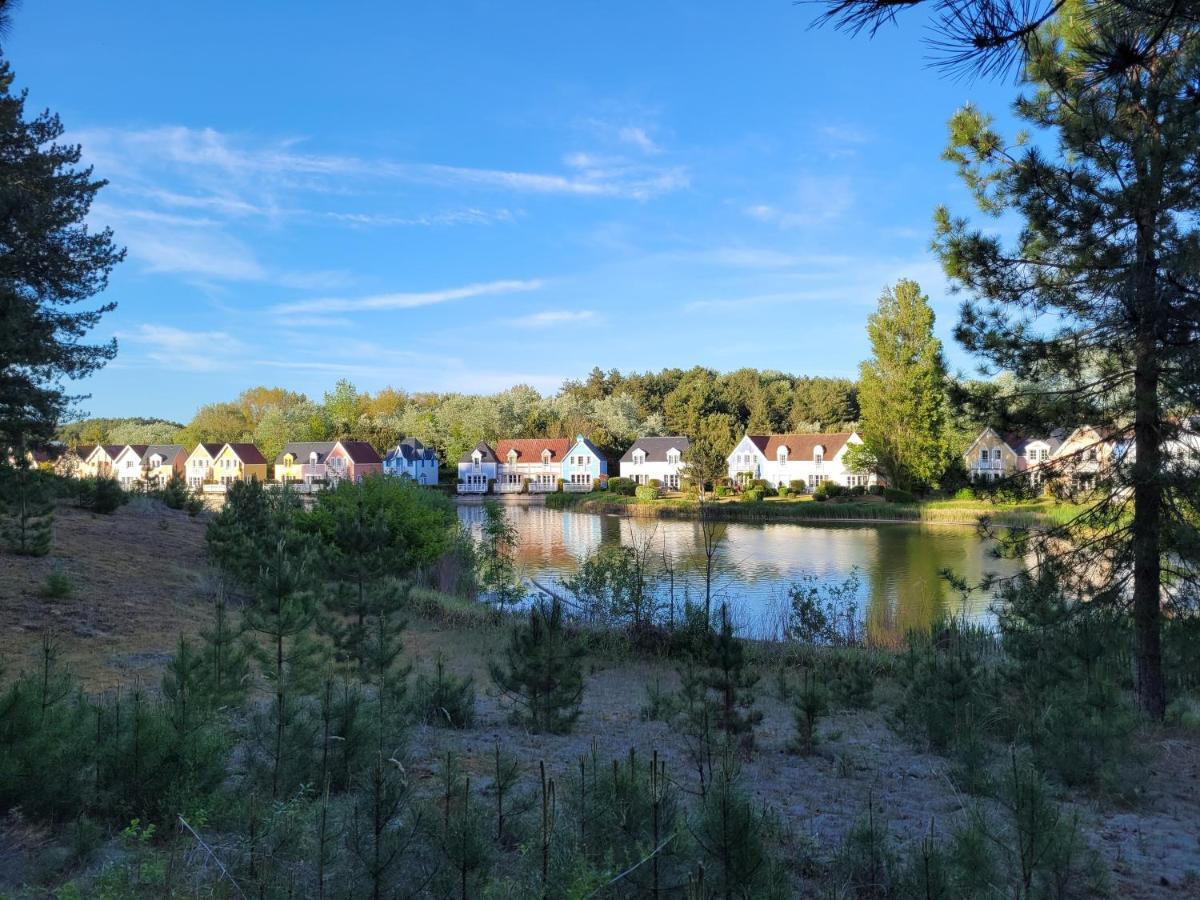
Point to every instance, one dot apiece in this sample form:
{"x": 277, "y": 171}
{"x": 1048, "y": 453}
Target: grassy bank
{"x": 1031, "y": 514}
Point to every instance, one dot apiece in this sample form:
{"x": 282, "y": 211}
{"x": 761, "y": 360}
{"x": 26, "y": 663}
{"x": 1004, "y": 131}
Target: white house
{"x": 411, "y": 459}
{"x": 476, "y": 468}
{"x": 780, "y": 459}
{"x": 127, "y": 465}
{"x": 658, "y": 458}
{"x": 536, "y": 461}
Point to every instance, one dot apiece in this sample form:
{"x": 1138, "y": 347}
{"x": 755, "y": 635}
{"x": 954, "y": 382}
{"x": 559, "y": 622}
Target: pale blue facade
{"x": 583, "y": 466}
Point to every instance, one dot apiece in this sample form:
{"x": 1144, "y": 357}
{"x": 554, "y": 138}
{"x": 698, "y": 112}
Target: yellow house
{"x": 161, "y": 461}
{"x": 199, "y": 466}
{"x": 100, "y": 461}
{"x": 990, "y": 457}
{"x": 239, "y": 462}
{"x": 302, "y": 462}
{"x": 1086, "y": 456}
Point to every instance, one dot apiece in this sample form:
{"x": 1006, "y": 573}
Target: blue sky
{"x": 464, "y": 196}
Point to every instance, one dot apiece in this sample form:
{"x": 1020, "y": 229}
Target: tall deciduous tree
{"x": 49, "y": 262}
{"x": 902, "y": 389}
{"x": 1100, "y": 295}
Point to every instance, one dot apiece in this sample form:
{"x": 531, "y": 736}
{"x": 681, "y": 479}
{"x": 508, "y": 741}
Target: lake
{"x": 898, "y": 565}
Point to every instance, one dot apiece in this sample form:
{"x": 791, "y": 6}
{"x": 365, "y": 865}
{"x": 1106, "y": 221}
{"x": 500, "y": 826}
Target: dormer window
{"x": 673, "y": 457}
{"x": 545, "y": 457}
{"x": 639, "y": 457}
{"x": 819, "y": 455}
{"x": 782, "y": 456}
{"x": 512, "y": 457}
{"x": 312, "y": 458}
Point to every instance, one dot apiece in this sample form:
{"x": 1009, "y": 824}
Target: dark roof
{"x": 410, "y": 449}
{"x": 139, "y": 449}
{"x": 166, "y": 451}
{"x": 656, "y": 447}
{"x": 360, "y": 451}
{"x": 248, "y": 454}
{"x": 210, "y": 448}
{"x": 83, "y": 451}
{"x": 800, "y": 446}
{"x": 486, "y": 453}
{"x": 301, "y": 450}
{"x": 530, "y": 449}
{"x": 1019, "y": 442}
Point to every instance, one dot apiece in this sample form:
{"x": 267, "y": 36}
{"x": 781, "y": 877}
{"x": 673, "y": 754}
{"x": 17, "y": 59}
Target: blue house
{"x": 583, "y": 466}
{"x": 411, "y": 459}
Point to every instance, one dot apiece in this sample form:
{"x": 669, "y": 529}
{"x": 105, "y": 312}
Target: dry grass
{"x": 139, "y": 579}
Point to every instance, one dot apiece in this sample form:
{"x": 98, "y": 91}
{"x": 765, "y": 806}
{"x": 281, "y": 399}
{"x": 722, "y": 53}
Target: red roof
{"x": 360, "y": 452}
{"x": 530, "y": 449}
{"x": 248, "y": 454}
{"x": 800, "y": 446}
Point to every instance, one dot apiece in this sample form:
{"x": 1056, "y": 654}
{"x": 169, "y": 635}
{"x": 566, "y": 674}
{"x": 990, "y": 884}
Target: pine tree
{"x": 729, "y": 677}
{"x": 27, "y": 507}
{"x": 383, "y": 835}
{"x": 51, "y": 261}
{"x": 902, "y": 390}
{"x": 225, "y": 672}
{"x": 240, "y": 536}
{"x": 282, "y": 617}
{"x": 495, "y": 557}
{"x": 1096, "y": 306}
{"x": 543, "y": 674}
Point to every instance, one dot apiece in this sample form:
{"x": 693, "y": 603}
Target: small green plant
{"x": 56, "y": 586}
{"x": 443, "y": 699}
{"x": 646, "y": 492}
{"x": 660, "y": 705}
{"x": 810, "y": 703}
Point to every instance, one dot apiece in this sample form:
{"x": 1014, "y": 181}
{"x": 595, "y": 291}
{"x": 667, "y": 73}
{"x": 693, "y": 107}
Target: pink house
{"x": 352, "y": 460}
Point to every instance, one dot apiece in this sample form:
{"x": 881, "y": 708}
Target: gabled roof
{"x": 83, "y": 451}
{"x": 800, "y": 446}
{"x": 247, "y": 453}
{"x": 410, "y": 449}
{"x": 166, "y": 451}
{"x": 580, "y": 439}
{"x": 139, "y": 450}
{"x": 360, "y": 452}
{"x": 656, "y": 448}
{"x": 1020, "y": 442}
{"x": 210, "y": 448}
{"x": 111, "y": 450}
{"x": 530, "y": 449}
{"x": 486, "y": 453}
{"x": 301, "y": 450}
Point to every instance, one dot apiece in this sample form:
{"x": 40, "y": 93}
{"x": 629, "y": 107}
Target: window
{"x": 983, "y": 455}
{"x": 996, "y": 453}
{"x": 782, "y": 456}
{"x": 673, "y": 458}
{"x": 639, "y": 457}
{"x": 818, "y": 456}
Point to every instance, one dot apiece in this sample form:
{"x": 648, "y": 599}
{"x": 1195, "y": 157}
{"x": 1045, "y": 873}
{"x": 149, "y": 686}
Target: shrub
{"x": 783, "y": 491}
{"x": 820, "y": 498}
{"x": 763, "y": 486}
{"x": 964, "y": 493}
{"x": 859, "y": 490}
{"x": 56, "y": 586}
{"x": 895, "y": 495}
{"x": 829, "y": 490}
{"x": 752, "y": 495}
{"x": 175, "y": 492}
{"x": 100, "y": 495}
{"x": 623, "y": 486}
{"x": 646, "y": 492}
{"x": 797, "y": 486}
{"x": 721, "y": 491}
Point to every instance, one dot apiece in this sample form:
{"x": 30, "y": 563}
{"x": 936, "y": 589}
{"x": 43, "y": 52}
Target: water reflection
{"x": 899, "y": 565}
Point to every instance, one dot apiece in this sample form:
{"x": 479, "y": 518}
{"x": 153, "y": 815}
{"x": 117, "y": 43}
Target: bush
{"x": 752, "y": 495}
{"x": 623, "y": 486}
{"x": 964, "y": 493}
{"x": 763, "y": 486}
{"x": 175, "y": 492}
{"x": 829, "y": 490}
{"x": 797, "y": 486}
{"x": 646, "y": 492}
{"x": 721, "y": 491}
{"x": 56, "y": 586}
{"x": 100, "y": 495}
{"x": 820, "y": 498}
{"x": 895, "y": 495}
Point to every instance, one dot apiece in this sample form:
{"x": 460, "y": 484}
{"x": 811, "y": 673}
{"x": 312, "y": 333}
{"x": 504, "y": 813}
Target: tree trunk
{"x": 1147, "y": 534}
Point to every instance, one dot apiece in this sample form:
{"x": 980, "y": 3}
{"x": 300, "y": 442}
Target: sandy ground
{"x": 140, "y": 578}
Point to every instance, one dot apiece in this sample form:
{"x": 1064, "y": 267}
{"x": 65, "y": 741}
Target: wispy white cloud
{"x": 815, "y": 202}
{"x": 407, "y": 300}
{"x": 638, "y": 137}
{"x": 551, "y": 317}
{"x": 179, "y": 349}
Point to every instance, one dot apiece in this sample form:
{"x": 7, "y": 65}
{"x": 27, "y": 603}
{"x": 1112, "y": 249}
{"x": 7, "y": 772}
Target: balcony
{"x": 508, "y": 487}
{"x": 472, "y": 488}
{"x": 577, "y": 487}
{"x": 543, "y": 487}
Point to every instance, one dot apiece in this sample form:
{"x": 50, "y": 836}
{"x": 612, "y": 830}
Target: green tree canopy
{"x": 902, "y": 389}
